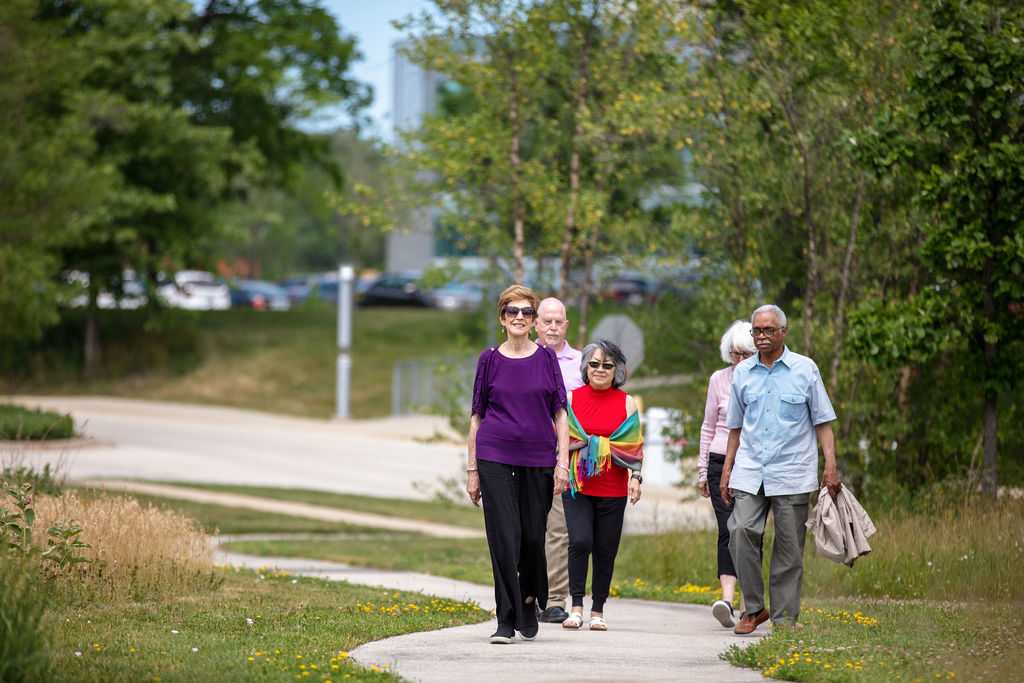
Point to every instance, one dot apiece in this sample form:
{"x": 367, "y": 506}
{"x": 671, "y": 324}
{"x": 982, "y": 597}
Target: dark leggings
{"x": 722, "y": 513}
{"x": 595, "y": 527}
{"x": 516, "y": 501}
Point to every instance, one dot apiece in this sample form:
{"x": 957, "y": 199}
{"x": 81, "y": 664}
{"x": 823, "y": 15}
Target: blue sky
{"x": 369, "y": 21}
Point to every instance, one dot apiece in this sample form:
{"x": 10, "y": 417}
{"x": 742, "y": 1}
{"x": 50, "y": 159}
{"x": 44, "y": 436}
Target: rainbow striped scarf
{"x": 591, "y": 455}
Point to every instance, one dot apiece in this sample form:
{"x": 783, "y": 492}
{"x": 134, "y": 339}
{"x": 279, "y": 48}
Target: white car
{"x": 195, "y": 290}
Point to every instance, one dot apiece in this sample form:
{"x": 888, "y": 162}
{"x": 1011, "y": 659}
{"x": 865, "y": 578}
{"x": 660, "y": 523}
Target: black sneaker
{"x": 528, "y": 631}
{"x": 505, "y": 635}
{"x": 554, "y": 615}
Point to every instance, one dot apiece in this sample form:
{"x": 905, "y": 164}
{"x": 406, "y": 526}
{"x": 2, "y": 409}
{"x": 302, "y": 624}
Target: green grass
{"x": 887, "y": 640}
{"x": 465, "y": 559}
{"x": 300, "y": 627}
{"x": 455, "y": 515}
{"x": 938, "y": 598}
{"x": 24, "y": 638}
{"x": 226, "y": 519}
{"x": 281, "y": 362}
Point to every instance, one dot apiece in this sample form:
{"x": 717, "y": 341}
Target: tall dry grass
{"x": 139, "y": 552}
{"x": 972, "y": 552}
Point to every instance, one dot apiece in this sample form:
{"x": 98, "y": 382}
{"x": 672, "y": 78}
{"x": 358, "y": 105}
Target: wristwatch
{"x": 639, "y": 477}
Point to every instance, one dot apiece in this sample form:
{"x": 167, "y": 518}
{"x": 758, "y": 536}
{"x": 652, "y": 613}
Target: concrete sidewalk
{"x": 645, "y": 641}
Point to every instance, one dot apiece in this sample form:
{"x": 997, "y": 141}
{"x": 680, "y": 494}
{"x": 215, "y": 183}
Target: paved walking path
{"x": 645, "y": 641}
{"x": 160, "y": 442}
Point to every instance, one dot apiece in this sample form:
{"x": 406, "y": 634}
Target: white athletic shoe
{"x": 723, "y": 612}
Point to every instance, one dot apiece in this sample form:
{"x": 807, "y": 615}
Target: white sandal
{"x": 598, "y": 624}
{"x": 574, "y": 621}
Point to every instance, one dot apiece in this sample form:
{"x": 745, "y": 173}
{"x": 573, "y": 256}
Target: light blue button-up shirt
{"x": 777, "y": 410}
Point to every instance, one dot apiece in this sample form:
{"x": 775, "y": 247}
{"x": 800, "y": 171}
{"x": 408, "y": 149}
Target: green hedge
{"x": 17, "y": 422}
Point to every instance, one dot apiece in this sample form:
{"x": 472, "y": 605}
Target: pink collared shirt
{"x": 569, "y": 360}
{"x": 714, "y": 435}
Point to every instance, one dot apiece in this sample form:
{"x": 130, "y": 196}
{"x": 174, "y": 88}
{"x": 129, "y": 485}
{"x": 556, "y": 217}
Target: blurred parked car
{"x": 456, "y": 296}
{"x": 630, "y": 288}
{"x": 195, "y": 290}
{"x": 259, "y": 295}
{"x": 394, "y": 289}
{"x": 125, "y": 292}
{"x": 297, "y": 287}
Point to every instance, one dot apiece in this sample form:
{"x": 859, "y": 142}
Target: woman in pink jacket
{"x": 737, "y": 344}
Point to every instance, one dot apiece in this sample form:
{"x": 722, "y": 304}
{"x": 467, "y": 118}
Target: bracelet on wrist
{"x": 471, "y": 469}
{"x": 563, "y": 467}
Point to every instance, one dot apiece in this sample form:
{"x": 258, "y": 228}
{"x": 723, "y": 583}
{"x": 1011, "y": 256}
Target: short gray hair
{"x": 737, "y": 337}
{"x": 770, "y": 308}
{"x": 611, "y": 352}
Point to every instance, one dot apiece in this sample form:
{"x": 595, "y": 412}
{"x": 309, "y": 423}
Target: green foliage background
{"x": 857, "y": 163}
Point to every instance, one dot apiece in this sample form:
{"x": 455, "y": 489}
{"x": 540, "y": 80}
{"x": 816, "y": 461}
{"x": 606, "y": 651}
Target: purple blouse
{"x": 517, "y": 399}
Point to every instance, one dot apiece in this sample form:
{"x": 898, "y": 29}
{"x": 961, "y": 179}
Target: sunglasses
{"x": 527, "y": 311}
{"x": 607, "y": 366}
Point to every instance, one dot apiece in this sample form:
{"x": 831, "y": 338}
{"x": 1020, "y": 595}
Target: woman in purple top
{"x": 518, "y": 459}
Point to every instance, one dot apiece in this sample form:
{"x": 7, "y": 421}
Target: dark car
{"x": 394, "y": 289}
{"x": 258, "y": 295}
{"x": 630, "y": 288}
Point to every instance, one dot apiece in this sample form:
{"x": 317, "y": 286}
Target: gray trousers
{"x": 786, "y": 571}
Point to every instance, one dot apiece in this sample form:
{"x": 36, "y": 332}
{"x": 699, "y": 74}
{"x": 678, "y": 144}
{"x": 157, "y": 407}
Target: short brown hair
{"x": 517, "y": 292}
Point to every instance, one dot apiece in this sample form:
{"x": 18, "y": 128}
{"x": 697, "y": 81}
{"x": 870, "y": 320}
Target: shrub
{"x": 49, "y": 481}
{"x": 18, "y": 422}
{"x": 138, "y": 553}
{"x": 24, "y": 646}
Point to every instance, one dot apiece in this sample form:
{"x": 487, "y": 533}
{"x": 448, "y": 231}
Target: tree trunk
{"x": 518, "y": 210}
{"x": 844, "y": 284}
{"x": 582, "y": 92}
{"x": 588, "y": 275}
{"x": 93, "y": 348}
{"x": 812, "y": 252}
{"x": 989, "y": 453}
{"x": 570, "y": 218}
{"x": 989, "y": 457}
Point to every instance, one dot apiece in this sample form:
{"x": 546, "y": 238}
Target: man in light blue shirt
{"x": 778, "y": 414}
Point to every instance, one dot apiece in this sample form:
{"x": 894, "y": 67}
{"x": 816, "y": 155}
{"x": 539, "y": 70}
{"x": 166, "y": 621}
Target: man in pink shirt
{"x": 551, "y": 326}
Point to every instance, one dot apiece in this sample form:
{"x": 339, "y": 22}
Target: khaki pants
{"x": 556, "y": 548}
{"x": 786, "y": 571}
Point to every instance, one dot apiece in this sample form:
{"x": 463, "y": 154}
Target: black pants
{"x": 722, "y": 513}
{"x": 516, "y": 501}
{"x": 595, "y": 528}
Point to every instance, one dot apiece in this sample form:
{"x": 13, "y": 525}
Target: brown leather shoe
{"x": 749, "y": 622}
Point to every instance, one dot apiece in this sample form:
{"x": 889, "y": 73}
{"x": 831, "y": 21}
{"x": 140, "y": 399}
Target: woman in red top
{"x": 594, "y": 515}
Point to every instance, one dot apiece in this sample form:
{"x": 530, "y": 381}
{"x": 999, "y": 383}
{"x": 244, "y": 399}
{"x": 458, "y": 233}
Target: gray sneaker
{"x": 723, "y": 612}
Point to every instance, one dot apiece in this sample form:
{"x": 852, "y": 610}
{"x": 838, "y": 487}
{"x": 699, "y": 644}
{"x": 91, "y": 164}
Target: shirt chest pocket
{"x": 792, "y": 407}
{"x": 752, "y": 406}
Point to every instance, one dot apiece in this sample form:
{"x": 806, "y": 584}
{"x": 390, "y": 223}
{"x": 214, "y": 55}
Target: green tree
{"x": 49, "y": 192}
{"x": 183, "y": 111}
{"x": 959, "y": 139}
{"x": 561, "y": 126}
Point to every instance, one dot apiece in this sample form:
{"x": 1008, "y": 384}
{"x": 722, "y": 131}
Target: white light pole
{"x": 346, "y": 275}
